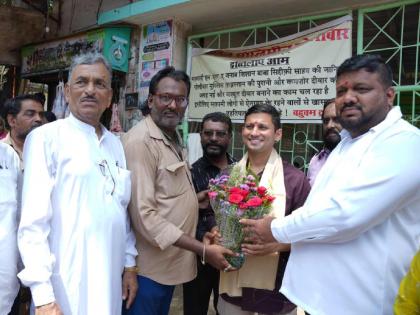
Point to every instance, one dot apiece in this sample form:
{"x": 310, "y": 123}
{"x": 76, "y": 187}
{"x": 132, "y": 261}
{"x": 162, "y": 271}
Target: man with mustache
{"x": 359, "y": 227}
{"x": 164, "y": 207}
{"x": 216, "y": 135}
{"x": 74, "y": 235}
{"x": 331, "y": 134}
{"x": 22, "y": 114}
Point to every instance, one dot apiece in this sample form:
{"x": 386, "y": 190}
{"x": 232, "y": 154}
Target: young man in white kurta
{"x": 9, "y": 178}
{"x": 74, "y": 235}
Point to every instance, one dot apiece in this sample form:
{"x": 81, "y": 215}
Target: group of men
{"x": 104, "y": 221}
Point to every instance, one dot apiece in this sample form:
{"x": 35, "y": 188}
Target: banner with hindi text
{"x": 295, "y": 74}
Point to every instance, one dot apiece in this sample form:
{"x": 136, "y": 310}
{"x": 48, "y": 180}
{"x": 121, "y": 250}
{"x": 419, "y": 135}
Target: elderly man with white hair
{"x": 74, "y": 236}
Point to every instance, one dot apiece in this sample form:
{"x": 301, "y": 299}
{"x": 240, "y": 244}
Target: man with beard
{"x": 164, "y": 204}
{"x": 359, "y": 227}
{"x": 22, "y": 114}
{"x": 331, "y": 134}
{"x": 216, "y": 134}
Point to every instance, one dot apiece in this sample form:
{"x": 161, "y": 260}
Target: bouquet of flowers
{"x": 233, "y": 197}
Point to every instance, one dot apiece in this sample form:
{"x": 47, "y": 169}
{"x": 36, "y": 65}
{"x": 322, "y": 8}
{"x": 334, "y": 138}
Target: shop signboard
{"x": 155, "y": 52}
{"x": 295, "y": 74}
{"x": 56, "y": 55}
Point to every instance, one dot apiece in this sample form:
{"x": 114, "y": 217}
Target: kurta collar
{"x": 86, "y": 127}
{"x": 393, "y": 115}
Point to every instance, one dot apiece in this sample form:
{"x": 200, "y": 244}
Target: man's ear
{"x": 390, "y": 95}
{"x": 150, "y": 101}
{"x": 278, "y": 135}
{"x": 11, "y": 120}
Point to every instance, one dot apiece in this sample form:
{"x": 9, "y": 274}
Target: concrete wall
{"x": 18, "y": 26}
{"x": 79, "y": 16}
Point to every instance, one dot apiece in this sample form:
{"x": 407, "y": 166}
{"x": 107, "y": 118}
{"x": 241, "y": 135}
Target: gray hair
{"x": 90, "y": 58}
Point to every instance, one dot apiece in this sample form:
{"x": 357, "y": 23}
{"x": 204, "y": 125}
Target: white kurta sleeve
{"x": 387, "y": 179}
{"x": 131, "y": 251}
{"x": 36, "y": 213}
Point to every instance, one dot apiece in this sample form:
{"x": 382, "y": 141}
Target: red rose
{"x": 270, "y": 199}
{"x": 243, "y": 205}
{"x": 236, "y": 190}
{"x": 261, "y": 190}
{"x": 254, "y": 202}
{"x": 235, "y": 198}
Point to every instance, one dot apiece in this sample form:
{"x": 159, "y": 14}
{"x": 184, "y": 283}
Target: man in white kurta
{"x": 74, "y": 235}
{"x": 360, "y": 226}
{"x": 9, "y": 178}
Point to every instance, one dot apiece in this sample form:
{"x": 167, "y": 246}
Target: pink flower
{"x": 212, "y": 195}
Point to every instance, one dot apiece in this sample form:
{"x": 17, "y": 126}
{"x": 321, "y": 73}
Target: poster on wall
{"x": 295, "y": 74}
{"x": 155, "y": 53}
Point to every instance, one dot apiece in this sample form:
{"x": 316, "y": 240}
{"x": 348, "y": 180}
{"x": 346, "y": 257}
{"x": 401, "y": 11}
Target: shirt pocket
{"x": 8, "y": 190}
{"x": 123, "y": 186}
{"x": 173, "y": 180}
{"x": 8, "y": 185}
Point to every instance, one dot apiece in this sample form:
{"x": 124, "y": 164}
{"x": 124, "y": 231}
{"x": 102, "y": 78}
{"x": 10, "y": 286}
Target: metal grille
{"x": 392, "y": 31}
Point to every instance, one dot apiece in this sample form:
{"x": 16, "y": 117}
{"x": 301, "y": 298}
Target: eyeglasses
{"x": 167, "y": 99}
{"x": 103, "y": 166}
{"x": 219, "y": 133}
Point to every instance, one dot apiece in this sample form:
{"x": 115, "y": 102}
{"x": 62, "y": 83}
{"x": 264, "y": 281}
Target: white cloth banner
{"x": 296, "y": 74}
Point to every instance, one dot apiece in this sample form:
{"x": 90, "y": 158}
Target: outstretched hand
{"x": 203, "y": 199}
{"x": 212, "y": 237}
{"x": 258, "y": 231}
{"x": 264, "y": 249}
{"x": 215, "y": 257}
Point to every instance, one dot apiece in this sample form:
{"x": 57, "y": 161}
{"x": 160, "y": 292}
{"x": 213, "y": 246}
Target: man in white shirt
{"x": 9, "y": 178}
{"x": 74, "y": 236}
{"x": 360, "y": 226}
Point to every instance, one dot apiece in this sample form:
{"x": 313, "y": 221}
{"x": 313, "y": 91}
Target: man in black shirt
{"x": 216, "y": 134}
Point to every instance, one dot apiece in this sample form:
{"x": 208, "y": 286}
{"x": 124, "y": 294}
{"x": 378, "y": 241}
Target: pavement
{"x": 177, "y": 307}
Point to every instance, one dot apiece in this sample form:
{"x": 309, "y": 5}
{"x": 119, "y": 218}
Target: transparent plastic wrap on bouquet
{"x": 231, "y": 230}
{"x": 234, "y": 195}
